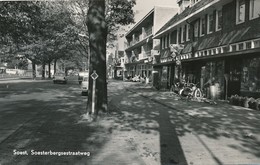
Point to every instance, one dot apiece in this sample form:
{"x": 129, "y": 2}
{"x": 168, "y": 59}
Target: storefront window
{"x": 213, "y": 74}
{"x": 164, "y": 74}
{"x": 251, "y": 75}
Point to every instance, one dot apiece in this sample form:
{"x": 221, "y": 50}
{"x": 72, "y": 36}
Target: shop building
{"x": 141, "y": 48}
{"x": 212, "y": 42}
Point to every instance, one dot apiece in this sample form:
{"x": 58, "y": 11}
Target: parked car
{"x": 84, "y": 86}
{"x": 59, "y": 78}
{"x": 81, "y": 75}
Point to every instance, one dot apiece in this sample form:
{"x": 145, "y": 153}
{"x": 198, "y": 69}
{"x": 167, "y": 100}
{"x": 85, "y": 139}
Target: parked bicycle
{"x": 187, "y": 90}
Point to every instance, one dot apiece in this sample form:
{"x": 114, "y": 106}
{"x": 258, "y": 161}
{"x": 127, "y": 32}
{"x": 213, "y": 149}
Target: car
{"x": 59, "y": 78}
{"x": 84, "y": 86}
{"x": 81, "y": 75}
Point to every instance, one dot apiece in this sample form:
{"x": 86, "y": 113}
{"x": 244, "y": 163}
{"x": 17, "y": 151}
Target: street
{"x": 144, "y": 126}
{"x": 39, "y": 115}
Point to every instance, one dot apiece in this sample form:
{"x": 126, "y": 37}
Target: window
{"x": 187, "y": 32}
{"x": 250, "y": 77}
{"x": 218, "y": 19}
{"x": 166, "y": 41}
{"x": 210, "y": 23}
{"x": 254, "y": 9}
{"x": 174, "y": 37}
{"x": 177, "y": 37}
{"x": 241, "y": 7}
{"x": 162, "y": 39}
{"x": 183, "y": 31}
{"x": 202, "y": 26}
{"x": 169, "y": 35}
{"x": 196, "y": 29}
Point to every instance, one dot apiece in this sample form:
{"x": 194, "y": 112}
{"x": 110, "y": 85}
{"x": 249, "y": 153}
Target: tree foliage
{"x": 44, "y": 31}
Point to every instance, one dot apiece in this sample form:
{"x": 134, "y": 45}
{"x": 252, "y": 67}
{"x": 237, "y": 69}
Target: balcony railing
{"x": 148, "y": 32}
{"x": 144, "y": 55}
{"x": 148, "y": 53}
{"x": 141, "y": 37}
{"x": 134, "y": 42}
{"x": 140, "y": 56}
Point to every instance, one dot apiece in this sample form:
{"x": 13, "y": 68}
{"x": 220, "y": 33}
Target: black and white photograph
{"x": 130, "y": 82}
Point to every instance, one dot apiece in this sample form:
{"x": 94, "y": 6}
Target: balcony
{"x": 141, "y": 56}
{"x": 147, "y": 53}
{"x": 148, "y": 32}
{"x": 140, "y": 37}
{"x": 144, "y": 55}
{"x": 134, "y": 42}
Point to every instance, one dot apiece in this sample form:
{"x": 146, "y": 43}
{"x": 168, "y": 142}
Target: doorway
{"x": 233, "y": 70}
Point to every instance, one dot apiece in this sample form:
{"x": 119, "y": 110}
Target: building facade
{"x": 140, "y": 45}
{"x": 212, "y": 42}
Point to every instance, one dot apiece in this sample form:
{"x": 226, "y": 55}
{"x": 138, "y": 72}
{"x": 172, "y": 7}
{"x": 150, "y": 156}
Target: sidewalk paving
{"x": 207, "y": 134}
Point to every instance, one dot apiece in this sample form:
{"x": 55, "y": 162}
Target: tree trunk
{"x": 97, "y": 29}
{"x": 33, "y": 69}
{"x": 55, "y": 65}
{"x": 49, "y": 69}
{"x": 43, "y": 71}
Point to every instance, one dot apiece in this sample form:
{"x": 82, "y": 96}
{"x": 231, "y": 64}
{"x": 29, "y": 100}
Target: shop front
{"x": 250, "y": 77}
{"x": 207, "y": 74}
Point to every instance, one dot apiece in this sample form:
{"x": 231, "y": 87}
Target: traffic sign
{"x": 94, "y": 75}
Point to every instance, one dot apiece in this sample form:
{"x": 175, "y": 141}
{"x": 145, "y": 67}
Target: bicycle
{"x": 193, "y": 92}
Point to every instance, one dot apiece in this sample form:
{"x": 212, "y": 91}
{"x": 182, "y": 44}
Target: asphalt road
{"x": 40, "y": 115}
{"x": 22, "y": 100}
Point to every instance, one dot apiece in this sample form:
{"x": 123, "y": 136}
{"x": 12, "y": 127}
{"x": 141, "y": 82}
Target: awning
{"x": 166, "y": 53}
{"x": 187, "y": 48}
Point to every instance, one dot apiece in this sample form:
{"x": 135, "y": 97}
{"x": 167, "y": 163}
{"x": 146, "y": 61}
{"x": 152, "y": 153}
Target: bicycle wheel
{"x": 198, "y": 93}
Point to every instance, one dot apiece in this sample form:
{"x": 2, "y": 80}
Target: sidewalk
{"x": 203, "y": 133}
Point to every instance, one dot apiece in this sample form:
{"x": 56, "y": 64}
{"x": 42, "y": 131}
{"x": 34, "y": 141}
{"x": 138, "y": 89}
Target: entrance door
{"x": 233, "y": 69}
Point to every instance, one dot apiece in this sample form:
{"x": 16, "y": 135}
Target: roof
{"x": 229, "y": 37}
{"x": 181, "y": 17}
{"x": 150, "y": 16}
{"x": 139, "y": 22}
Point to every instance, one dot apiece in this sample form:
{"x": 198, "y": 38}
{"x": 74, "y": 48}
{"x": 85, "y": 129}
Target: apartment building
{"x": 215, "y": 41}
{"x": 141, "y": 49}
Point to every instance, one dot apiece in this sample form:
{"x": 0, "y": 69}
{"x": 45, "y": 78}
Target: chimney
{"x": 183, "y": 4}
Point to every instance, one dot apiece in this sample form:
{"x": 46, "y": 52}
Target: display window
{"x": 250, "y": 80}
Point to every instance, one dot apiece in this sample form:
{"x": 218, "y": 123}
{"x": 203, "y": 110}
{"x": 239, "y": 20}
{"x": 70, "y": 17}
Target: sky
{"x": 142, "y": 7}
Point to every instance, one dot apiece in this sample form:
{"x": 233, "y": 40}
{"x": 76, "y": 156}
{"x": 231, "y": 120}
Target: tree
{"x": 119, "y": 12}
